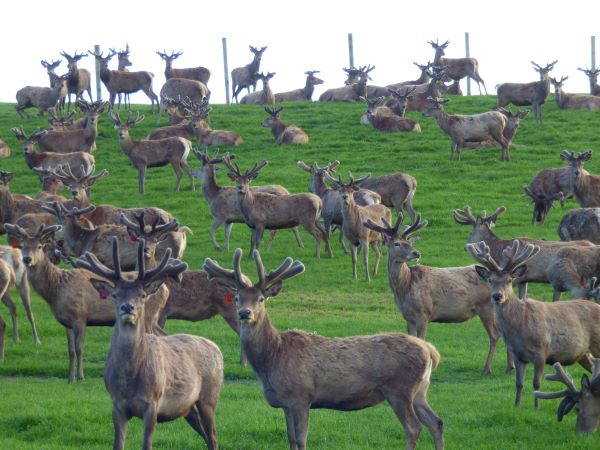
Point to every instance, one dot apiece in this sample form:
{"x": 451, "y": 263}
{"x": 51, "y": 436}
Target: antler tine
{"x": 260, "y": 269}
{"x": 414, "y": 227}
{"x": 237, "y": 269}
{"x": 168, "y": 267}
{"x": 516, "y": 256}
{"x": 570, "y": 393}
{"x": 288, "y": 269}
{"x": 90, "y": 262}
{"x": 481, "y": 252}
{"x": 494, "y": 217}
{"x": 386, "y": 229}
{"x": 141, "y": 262}
{"x": 124, "y": 220}
{"x": 464, "y": 216}
{"x": 234, "y": 168}
{"x": 562, "y": 376}
{"x": 16, "y": 231}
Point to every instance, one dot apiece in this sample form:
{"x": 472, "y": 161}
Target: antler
{"x": 481, "y": 253}
{"x": 570, "y": 393}
{"x": 388, "y": 230}
{"x": 516, "y": 256}
{"x": 214, "y": 270}
{"x": 274, "y": 112}
{"x": 464, "y": 216}
{"x": 287, "y": 269}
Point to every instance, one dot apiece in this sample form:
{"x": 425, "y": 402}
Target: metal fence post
{"x": 226, "y": 70}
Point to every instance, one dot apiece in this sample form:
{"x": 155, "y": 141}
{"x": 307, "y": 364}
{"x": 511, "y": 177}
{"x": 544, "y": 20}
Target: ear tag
{"x": 15, "y": 243}
{"x": 228, "y": 298}
{"x": 103, "y": 294}
{"x": 133, "y": 237}
{"x": 54, "y": 181}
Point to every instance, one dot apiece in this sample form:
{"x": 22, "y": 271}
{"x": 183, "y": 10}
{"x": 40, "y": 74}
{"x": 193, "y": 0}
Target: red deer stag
{"x": 193, "y": 73}
{"x": 303, "y": 94}
{"x": 457, "y": 68}
{"x": 79, "y": 80}
{"x": 245, "y": 76}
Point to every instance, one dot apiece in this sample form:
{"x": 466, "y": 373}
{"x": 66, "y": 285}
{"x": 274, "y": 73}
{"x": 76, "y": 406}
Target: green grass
{"x": 40, "y": 410}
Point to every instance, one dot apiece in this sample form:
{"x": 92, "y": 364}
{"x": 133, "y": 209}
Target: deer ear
{"x": 153, "y": 286}
{"x": 273, "y": 290}
{"x": 483, "y": 273}
{"x": 103, "y": 287}
{"x": 519, "y": 271}
{"x": 414, "y": 239}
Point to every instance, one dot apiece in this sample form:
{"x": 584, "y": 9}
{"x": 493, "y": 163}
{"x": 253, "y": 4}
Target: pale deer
{"x": 303, "y": 94}
{"x": 245, "y": 76}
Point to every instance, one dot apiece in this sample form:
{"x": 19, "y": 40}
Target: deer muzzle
{"x": 244, "y": 314}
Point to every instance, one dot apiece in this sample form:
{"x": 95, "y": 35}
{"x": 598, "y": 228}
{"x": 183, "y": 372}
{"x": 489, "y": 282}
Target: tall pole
{"x": 593, "y": 46}
{"x": 98, "y": 81}
{"x": 468, "y": 55}
{"x": 226, "y": 70}
{"x": 350, "y": 49}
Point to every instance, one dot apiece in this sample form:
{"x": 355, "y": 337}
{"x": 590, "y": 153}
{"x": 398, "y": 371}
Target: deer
{"x": 512, "y": 124}
{"x": 222, "y": 200}
{"x": 585, "y": 401}
{"x": 4, "y": 149}
{"x": 50, "y": 186}
{"x": 70, "y": 294}
{"x": 524, "y": 94}
{"x": 300, "y": 370}
{"x": 536, "y": 268}
{"x": 580, "y": 223}
{"x": 193, "y": 73}
{"x": 572, "y": 270}
{"x": 465, "y": 128}
{"x": 457, "y": 68}
{"x": 79, "y": 160}
{"x": 536, "y": 331}
{"x": 147, "y": 153}
{"x": 542, "y": 203}
{"x": 155, "y": 378}
{"x": 123, "y": 63}
{"x": 12, "y": 206}
{"x": 14, "y": 273}
{"x": 417, "y": 96}
{"x": 303, "y": 94}
{"x": 425, "y": 294}
{"x": 51, "y": 70}
{"x": 245, "y": 76}
{"x": 79, "y": 80}
{"x": 202, "y": 131}
{"x": 423, "y": 78}
{"x": 121, "y": 82}
{"x": 264, "y": 97}
{"x": 180, "y": 88}
{"x": 282, "y": 133}
{"x": 573, "y": 101}
{"x": 353, "y": 217}
{"x": 592, "y": 74}
{"x": 352, "y": 91}
{"x": 332, "y": 206}
{"x": 382, "y": 120}
{"x": 273, "y": 212}
{"x": 585, "y": 186}
{"x": 42, "y": 98}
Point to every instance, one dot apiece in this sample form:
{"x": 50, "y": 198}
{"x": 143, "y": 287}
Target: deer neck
{"x": 443, "y": 119}
{"x": 254, "y": 65}
{"x": 168, "y": 69}
{"x": 77, "y": 236}
{"x": 245, "y": 202}
{"x": 399, "y": 276}
{"x": 47, "y": 279}
{"x": 210, "y": 188}
{"x": 559, "y": 96}
{"x": 511, "y": 316}
{"x": 278, "y": 128}
{"x": 127, "y": 144}
{"x": 202, "y": 129}
{"x": 351, "y": 214}
{"x": 7, "y": 206}
{"x": 308, "y": 90}
{"x": 318, "y": 186}
{"x": 128, "y": 349}
{"x": 260, "y": 342}
{"x": 105, "y": 74}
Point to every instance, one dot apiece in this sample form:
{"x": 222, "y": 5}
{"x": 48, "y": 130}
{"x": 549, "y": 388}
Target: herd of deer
{"x": 133, "y": 256}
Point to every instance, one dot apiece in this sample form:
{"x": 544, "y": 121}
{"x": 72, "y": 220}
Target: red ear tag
{"x": 54, "y": 181}
{"x": 133, "y": 237}
{"x": 15, "y": 244}
{"x": 103, "y": 294}
{"x": 228, "y": 298}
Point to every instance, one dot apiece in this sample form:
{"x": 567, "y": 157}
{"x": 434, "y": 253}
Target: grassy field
{"x": 40, "y": 410}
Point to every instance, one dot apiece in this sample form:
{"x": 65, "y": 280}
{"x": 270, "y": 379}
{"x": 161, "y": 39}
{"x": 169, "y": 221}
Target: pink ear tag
{"x": 103, "y": 294}
{"x": 133, "y": 237}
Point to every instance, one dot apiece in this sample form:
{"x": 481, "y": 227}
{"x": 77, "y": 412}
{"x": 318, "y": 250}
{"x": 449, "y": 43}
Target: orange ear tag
{"x": 228, "y": 298}
{"x": 15, "y": 244}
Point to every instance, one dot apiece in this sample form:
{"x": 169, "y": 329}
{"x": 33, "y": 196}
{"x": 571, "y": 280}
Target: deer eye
{"x": 396, "y": 244}
{"x": 261, "y": 299}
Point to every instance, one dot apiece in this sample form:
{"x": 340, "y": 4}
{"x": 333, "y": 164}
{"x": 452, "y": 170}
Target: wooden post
{"x": 467, "y": 54}
{"x": 98, "y": 81}
{"x": 351, "y": 49}
{"x": 226, "y": 70}
{"x": 593, "y": 46}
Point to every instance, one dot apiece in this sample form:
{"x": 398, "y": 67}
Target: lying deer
{"x": 573, "y": 101}
{"x": 283, "y": 134}
{"x": 300, "y": 371}
{"x": 264, "y": 97}
{"x": 155, "y": 378}
{"x": 303, "y": 94}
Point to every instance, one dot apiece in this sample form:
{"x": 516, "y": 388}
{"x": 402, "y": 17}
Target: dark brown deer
{"x": 524, "y": 94}
{"x": 585, "y": 186}
{"x": 245, "y": 76}
{"x": 593, "y": 76}
{"x": 300, "y": 371}
{"x": 79, "y": 79}
{"x": 155, "y": 378}
{"x": 193, "y": 73}
{"x": 457, "y": 68}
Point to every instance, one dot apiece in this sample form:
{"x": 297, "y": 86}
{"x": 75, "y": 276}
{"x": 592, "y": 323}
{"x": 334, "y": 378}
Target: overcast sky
{"x": 302, "y": 35}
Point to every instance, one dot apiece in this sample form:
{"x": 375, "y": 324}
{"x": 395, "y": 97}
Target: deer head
{"x": 481, "y": 224}
{"x": 242, "y": 181}
{"x": 576, "y": 160}
{"x": 346, "y": 189}
{"x": 32, "y": 246}
{"x": 400, "y": 245}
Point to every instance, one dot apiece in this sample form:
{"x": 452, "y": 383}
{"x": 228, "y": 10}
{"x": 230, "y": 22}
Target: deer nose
{"x": 26, "y": 260}
{"x": 496, "y": 296}
{"x": 127, "y": 308}
{"x": 244, "y": 314}
{"x": 416, "y": 254}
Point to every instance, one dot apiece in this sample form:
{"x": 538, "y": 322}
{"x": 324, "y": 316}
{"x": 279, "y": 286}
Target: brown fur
{"x": 41, "y": 98}
{"x": 300, "y": 95}
{"x": 457, "y": 68}
{"x": 264, "y": 97}
{"x": 580, "y": 223}
{"x": 245, "y": 76}
{"x": 573, "y": 101}
{"x": 79, "y": 79}
{"x": 282, "y": 133}
{"x": 192, "y": 73}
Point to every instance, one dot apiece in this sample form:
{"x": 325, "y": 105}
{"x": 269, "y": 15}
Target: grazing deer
{"x": 536, "y": 331}
{"x": 585, "y": 186}
{"x": 524, "y": 94}
{"x": 146, "y": 153}
{"x": 264, "y": 97}
{"x": 457, "y": 68}
{"x": 193, "y": 73}
{"x": 542, "y": 203}
{"x": 72, "y": 298}
{"x": 573, "y": 101}
{"x": 465, "y": 128}
{"x": 123, "y": 82}
{"x": 426, "y": 294}
{"x": 536, "y": 268}
{"x": 245, "y": 76}
{"x": 267, "y": 211}
{"x": 585, "y": 401}
{"x": 303, "y": 94}
{"x": 79, "y": 79}
{"x": 300, "y": 371}
{"x": 155, "y": 378}
{"x": 353, "y": 218}
{"x": 580, "y": 223}
{"x": 283, "y": 134}
{"x": 222, "y": 200}
{"x": 593, "y": 76}
{"x": 42, "y": 98}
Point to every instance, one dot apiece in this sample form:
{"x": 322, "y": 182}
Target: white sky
{"x": 303, "y": 35}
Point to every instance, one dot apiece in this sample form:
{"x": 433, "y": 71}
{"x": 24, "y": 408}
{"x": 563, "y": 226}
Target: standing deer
{"x": 524, "y": 94}
{"x": 457, "y": 68}
{"x": 267, "y": 211}
{"x": 146, "y": 153}
{"x": 42, "y": 98}
{"x": 155, "y": 378}
{"x": 303, "y": 94}
{"x": 585, "y": 186}
{"x": 300, "y": 371}
{"x": 426, "y": 294}
{"x": 51, "y": 70}
{"x": 123, "y": 82}
{"x": 244, "y": 77}
{"x": 283, "y": 134}
{"x": 593, "y": 76}
{"x": 193, "y": 73}
{"x": 79, "y": 79}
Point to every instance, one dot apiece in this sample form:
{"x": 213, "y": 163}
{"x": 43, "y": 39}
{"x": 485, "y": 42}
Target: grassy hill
{"x": 40, "y": 410}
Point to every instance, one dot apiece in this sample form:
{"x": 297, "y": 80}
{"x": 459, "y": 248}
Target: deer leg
{"x": 487, "y": 318}
{"x": 272, "y": 234}
{"x": 150, "y": 417}
{"x": 141, "y": 177}
{"x": 120, "y": 425}
{"x": 299, "y": 415}
{"x": 353, "y": 251}
{"x": 257, "y": 235}
{"x": 188, "y": 170}
{"x": 429, "y": 418}
{"x": 71, "y": 348}
{"x": 193, "y": 418}
{"x": 377, "y": 250}
{"x": 556, "y": 295}
{"x": 538, "y": 371}
{"x": 520, "y": 379}
{"x": 365, "y": 247}
{"x": 403, "y": 408}
{"x": 25, "y": 298}
{"x": 178, "y": 173}
{"x": 297, "y": 236}
{"x": 452, "y": 146}
{"x": 207, "y": 417}
{"x": 228, "y": 227}
{"x": 212, "y": 230}
{"x": 291, "y": 430}
{"x": 79, "y": 334}
{"x": 12, "y": 308}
